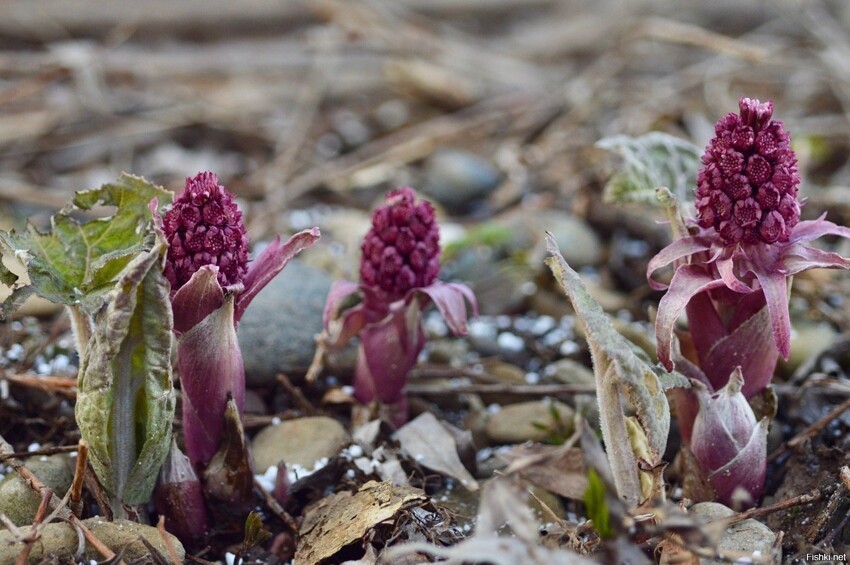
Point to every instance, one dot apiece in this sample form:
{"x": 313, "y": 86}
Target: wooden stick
{"x": 76, "y": 490}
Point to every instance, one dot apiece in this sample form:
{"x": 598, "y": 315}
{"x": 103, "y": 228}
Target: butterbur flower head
{"x": 401, "y": 251}
{"x": 745, "y": 243}
{"x": 398, "y": 273}
{"x": 204, "y": 227}
{"x": 728, "y": 443}
{"x": 211, "y": 286}
{"x": 747, "y": 191}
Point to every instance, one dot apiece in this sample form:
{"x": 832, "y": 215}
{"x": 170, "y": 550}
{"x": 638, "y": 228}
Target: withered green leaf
{"x": 125, "y": 403}
{"x": 77, "y": 263}
{"x": 621, "y": 374}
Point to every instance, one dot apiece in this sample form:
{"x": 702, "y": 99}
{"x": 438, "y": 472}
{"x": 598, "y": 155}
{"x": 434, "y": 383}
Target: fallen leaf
{"x": 427, "y": 441}
{"x": 344, "y": 518}
{"x": 558, "y": 470}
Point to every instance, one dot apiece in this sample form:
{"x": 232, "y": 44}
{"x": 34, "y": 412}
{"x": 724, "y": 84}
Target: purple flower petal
{"x": 726, "y": 268}
{"x": 813, "y": 229}
{"x": 449, "y": 299}
{"x": 775, "y": 286}
{"x": 210, "y": 366}
{"x": 197, "y": 299}
{"x": 802, "y": 258}
{"x": 688, "y": 281}
{"x": 270, "y": 262}
{"x": 677, "y": 250}
{"x": 751, "y": 347}
{"x": 340, "y": 291}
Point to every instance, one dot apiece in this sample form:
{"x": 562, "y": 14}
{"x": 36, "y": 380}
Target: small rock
{"x": 301, "y": 442}
{"x": 19, "y": 501}
{"x": 59, "y": 540}
{"x": 749, "y": 537}
{"x": 276, "y": 333}
{"x": 577, "y": 241}
{"x": 458, "y": 179}
{"x": 571, "y": 372}
{"x": 809, "y": 340}
{"x": 515, "y": 423}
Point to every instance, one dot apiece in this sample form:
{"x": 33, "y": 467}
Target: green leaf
{"x": 597, "y": 507}
{"x": 125, "y": 403}
{"x": 651, "y": 161}
{"x": 625, "y": 383}
{"x": 79, "y": 262}
{"x": 255, "y": 532}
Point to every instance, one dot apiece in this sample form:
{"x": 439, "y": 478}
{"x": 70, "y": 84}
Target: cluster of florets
{"x": 204, "y": 227}
{"x": 402, "y": 249}
{"x": 747, "y": 190}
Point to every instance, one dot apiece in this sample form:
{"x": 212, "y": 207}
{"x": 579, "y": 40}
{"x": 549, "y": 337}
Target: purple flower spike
{"x": 398, "y": 272}
{"x": 746, "y": 242}
{"x": 204, "y": 227}
{"x": 728, "y": 444}
{"x": 212, "y": 285}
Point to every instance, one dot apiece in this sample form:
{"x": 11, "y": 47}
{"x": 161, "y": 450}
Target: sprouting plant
{"x": 398, "y": 279}
{"x": 626, "y": 383}
{"x": 211, "y": 286}
{"x": 108, "y": 272}
{"x": 733, "y": 265}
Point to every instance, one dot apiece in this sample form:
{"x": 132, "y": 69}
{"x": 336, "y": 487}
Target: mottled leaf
{"x": 79, "y": 262}
{"x": 255, "y": 532}
{"x": 125, "y": 403}
{"x": 620, "y": 375}
{"x": 651, "y": 161}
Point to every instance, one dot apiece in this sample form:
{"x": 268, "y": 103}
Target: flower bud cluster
{"x": 401, "y": 251}
{"x": 204, "y": 227}
{"x": 747, "y": 190}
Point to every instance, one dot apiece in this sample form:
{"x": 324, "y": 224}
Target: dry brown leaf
{"x": 344, "y": 518}
{"x": 427, "y": 441}
{"x": 558, "y": 470}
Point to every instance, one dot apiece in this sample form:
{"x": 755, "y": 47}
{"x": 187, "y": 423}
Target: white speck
{"x": 268, "y": 478}
{"x": 542, "y": 325}
{"x": 568, "y": 348}
{"x": 17, "y": 326}
{"x": 4, "y": 389}
{"x": 355, "y": 450}
{"x": 72, "y": 454}
{"x": 481, "y": 330}
{"x": 230, "y": 558}
{"x": 493, "y": 408}
{"x": 528, "y": 288}
{"x": 435, "y": 326}
{"x": 15, "y": 352}
{"x": 349, "y": 474}
{"x": 532, "y": 378}
{"x": 510, "y": 343}
{"x": 43, "y": 458}
{"x": 23, "y": 255}
{"x": 275, "y": 421}
{"x": 347, "y": 389}
{"x": 33, "y": 447}
{"x": 503, "y": 322}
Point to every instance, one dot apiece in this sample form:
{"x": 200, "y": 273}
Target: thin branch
{"x": 812, "y": 430}
{"x": 55, "y": 501}
{"x": 76, "y": 490}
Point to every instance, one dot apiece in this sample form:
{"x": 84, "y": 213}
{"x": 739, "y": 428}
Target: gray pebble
{"x": 276, "y": 333}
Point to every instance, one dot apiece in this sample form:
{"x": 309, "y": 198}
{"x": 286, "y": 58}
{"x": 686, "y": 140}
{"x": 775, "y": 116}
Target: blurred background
{"x": 310, "y": 110}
